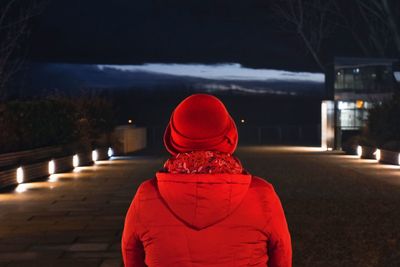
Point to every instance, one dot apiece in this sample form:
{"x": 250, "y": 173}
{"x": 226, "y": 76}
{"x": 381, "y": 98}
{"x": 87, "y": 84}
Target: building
{"x": 354, "y": 85}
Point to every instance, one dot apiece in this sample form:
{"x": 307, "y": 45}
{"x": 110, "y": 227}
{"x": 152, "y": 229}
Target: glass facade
{"x": 356, "y": 85}
{"x": 366, "y": 79}
{"x": 352, "y": 115}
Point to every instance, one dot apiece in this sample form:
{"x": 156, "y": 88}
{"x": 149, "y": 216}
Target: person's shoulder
{"x": 264, "y": 192}
{"x": 262, "y": 188}
{"x": 261, "y": 184}
{"x": 147, "y": 189}
{"x": 148, "y": 184}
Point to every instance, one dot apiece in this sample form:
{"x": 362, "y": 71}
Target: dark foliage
{"x": 56, "y": 120}
{"x": 384, "y": 123}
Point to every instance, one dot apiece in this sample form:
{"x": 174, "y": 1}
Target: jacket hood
{"x": 201, "y": 200}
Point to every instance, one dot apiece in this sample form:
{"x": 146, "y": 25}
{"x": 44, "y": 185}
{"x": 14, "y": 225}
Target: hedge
{"x": 27, "y": 124}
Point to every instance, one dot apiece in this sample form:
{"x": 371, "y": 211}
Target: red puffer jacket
{"x": 216, "y": 219}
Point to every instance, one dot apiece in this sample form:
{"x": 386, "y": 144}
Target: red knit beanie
{"x": 200, "y": 122}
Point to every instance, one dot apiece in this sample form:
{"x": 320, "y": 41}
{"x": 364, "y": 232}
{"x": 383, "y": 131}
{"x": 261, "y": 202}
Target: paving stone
{"x": 38, "y": 229}
{"x": 57, "y": 263}
{"x": 6, "y": 230}
{"x": 21, "y": 239}
{"x": 97, "y": 255}
{"x": 88, "y": 247}
{"x": 67, "y": 227}
{"x": 17, "y": 256}
{"x": 115, "y": 246}
{"x": 98, "y": 238}
{"x": 111, "y": 263}
{"x": 57, "y": 238}
{"x": 78, "y": 220}
{"x": 51, "y": 247}
{"x": 13, "y": 247}
{"x": 105, "y": 226}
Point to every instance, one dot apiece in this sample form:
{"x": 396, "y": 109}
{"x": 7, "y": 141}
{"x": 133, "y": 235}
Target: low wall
{"x": 28, "y": 156}
{"x": 390, "y": 157}
{"x": 382, "y": 155}
{"x": 35, "y": 163}
{"x": 38, "y": 166}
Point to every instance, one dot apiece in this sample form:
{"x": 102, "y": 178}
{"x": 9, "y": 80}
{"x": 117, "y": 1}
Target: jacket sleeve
{"x": 279, "y": 243}
{"x": 132, "y": 248}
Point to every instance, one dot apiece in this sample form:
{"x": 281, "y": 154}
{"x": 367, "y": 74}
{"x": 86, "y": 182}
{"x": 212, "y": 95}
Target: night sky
{"x": 174, "y": 31}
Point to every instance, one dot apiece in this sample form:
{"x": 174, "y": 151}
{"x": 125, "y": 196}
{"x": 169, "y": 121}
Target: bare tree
{"x": 348, "y": 19}
{"x": 374, "y": 18}
{"x": 309, "y": 19}
{"x": 15, "y": 16}
{"x": 373, "y": 24}
{"x": 392, "y": 9}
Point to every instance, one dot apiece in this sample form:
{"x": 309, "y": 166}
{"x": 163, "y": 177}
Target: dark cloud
{"x": 134, "y": 32}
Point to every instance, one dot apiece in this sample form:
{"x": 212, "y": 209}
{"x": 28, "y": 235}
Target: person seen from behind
{"x": 203, "y": 208}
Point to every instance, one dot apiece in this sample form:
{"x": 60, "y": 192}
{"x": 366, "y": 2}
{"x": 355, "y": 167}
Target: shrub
{"x": 384, "y": 122}
{"x": 56, "y": 120}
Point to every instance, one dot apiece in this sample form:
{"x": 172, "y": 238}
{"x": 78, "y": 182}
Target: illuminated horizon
{"x": 226, "y": 71}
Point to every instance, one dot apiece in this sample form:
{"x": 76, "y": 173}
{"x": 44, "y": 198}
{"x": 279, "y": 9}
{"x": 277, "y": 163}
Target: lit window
{"x": 359, "y": 104}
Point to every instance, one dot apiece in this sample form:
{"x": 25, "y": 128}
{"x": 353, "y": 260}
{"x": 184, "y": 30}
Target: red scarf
{"x": 203, "y": 162}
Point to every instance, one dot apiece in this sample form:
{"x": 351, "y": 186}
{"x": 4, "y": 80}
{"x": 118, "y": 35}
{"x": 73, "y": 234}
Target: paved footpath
{"x": 342, "y": 211}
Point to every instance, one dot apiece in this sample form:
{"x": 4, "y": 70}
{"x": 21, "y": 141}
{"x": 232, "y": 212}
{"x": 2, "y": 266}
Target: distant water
{"x": 228, "y": 77}
{"x": 224, "y": 72}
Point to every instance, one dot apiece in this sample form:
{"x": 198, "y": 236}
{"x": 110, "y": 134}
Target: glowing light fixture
{"x": 20, "y": 175}
{"x": 398, "y": 160}
{"x": 359, "y": 151}
{"x": 130, "y": 121}
{"x": 110, "y": 152}
{"x": 95, "y": 155}
{"x": 359, "y": 104}
{"x": 53, "y": 178}
{"x": 242, "y": 121}
{"x": 324, "y": 126}
{"x": 377, "y": 154}
{"x": 52, "y": 167}
{"x": 20, "y": 188}
{"x": 75, "y": 161}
